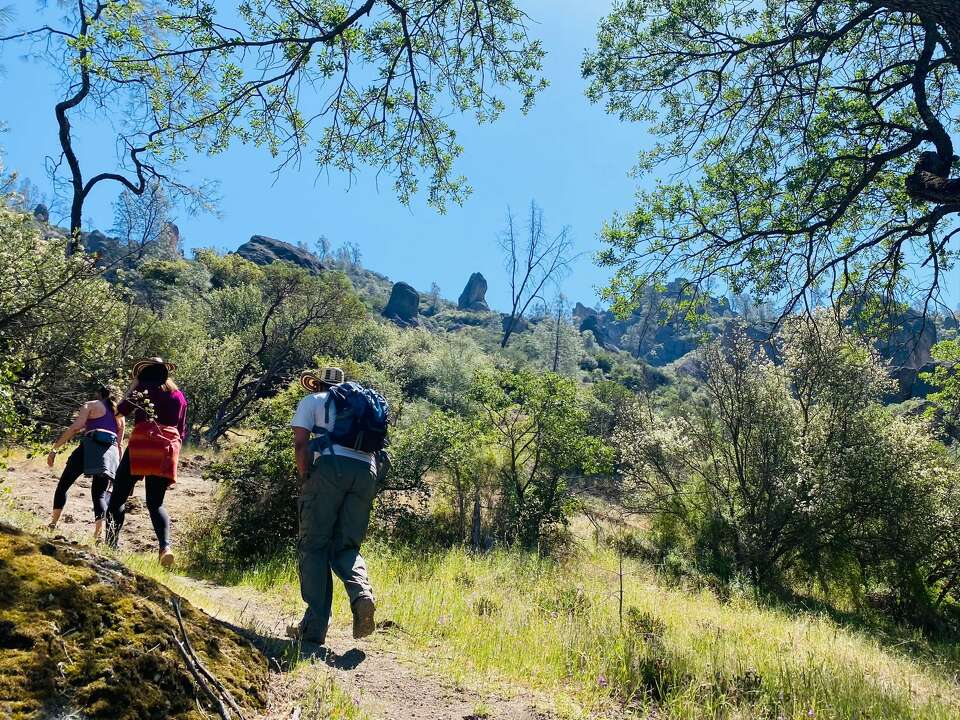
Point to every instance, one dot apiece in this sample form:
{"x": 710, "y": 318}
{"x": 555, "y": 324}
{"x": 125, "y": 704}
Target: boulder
{"x": 594, "y": 323}
{"x": 62, "y": 600}
{"x": 520, "y": 325}
{"x": 474, "y": 294}
{"x": 41, "y": 213}
{"x": 265, "y": 250}
{"x": 403, "y": 306}
{"x": 909, "y": 345}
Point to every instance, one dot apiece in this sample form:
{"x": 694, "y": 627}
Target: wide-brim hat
{"x": 316, "y": 382}
{"x": 142, "y": 365}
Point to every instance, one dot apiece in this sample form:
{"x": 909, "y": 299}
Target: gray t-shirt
{"x": 312, "y": 412}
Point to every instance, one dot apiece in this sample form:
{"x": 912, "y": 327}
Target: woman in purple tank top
{"x": 97, "y": 455}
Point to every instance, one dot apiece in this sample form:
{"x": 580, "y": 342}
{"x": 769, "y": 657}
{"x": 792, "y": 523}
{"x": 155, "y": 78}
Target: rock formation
{"x": 264, "y": 250}
{"x": 169, "y": 241}
{"x": 403, "y": 306}
{"x": 473, "y": 297}
{"x": 594, "y": 323}
{"x": 520, "y": 325}
{"x": 909, "y": 346}
{"x": 908, "y": 351}
{"x": 98, "y": 243}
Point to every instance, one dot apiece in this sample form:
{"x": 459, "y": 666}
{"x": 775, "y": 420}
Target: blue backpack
{"x": 362, "y": 419}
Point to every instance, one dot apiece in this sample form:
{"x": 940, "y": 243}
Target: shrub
{"x": 56, "y": 313}
{"x": 795, "y": 472}
{"x": 564, "y": 600}
{"x": 538, "y": 423}
{"x": 254, "y": 513}
{"x": 485, "y": 606}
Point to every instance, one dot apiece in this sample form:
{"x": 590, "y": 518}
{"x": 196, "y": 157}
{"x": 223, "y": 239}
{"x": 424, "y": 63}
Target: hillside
{"x": 453, "y": 644}
{"x": 565, "y": 531}
{"x": 653, "y": 336}
{"x": 651, "y": 347}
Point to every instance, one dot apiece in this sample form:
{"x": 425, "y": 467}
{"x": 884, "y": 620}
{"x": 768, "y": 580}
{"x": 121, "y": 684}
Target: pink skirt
{"x": 154, "y": 450}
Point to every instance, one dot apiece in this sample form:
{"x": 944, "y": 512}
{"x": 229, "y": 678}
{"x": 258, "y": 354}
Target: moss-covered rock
{"x": 80, "y": 633}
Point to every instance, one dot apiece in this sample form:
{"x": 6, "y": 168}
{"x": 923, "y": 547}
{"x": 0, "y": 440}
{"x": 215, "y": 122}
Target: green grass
{"x": 515, "y": 619}
{"x": 324, "y": 700}
{"x": 507, "y": 619}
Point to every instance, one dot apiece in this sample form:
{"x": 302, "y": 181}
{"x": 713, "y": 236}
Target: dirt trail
{"x": 31, "y": 484}
{"x": 384, "y": 685}
{"x": 371, "y": 672}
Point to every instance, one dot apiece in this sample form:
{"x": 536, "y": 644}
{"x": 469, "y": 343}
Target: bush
{"x": 254, "y": 513}
{"x": 565, "y": 600}
{"x": 795, "y": 473}
{"x": 62, "y": 326}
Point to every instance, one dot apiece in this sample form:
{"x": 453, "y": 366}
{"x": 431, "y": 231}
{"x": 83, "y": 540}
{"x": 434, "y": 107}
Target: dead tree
{"x": 532, "y": 262}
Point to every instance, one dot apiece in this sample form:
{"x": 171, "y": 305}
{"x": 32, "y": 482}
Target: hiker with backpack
{"x": 338, "y": 429}
{"x": 97, "y": 455}
{"x": 153, "y": 451}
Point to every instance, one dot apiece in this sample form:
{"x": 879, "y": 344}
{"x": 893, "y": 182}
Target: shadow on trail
{"x": 285, "y": 655}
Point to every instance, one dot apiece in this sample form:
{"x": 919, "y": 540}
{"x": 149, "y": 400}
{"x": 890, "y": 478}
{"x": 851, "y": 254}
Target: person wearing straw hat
{"x": 336, "y": 496}
{"x": 153, "y": 451}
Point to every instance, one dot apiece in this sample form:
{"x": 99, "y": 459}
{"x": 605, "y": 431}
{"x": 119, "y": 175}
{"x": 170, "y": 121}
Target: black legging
{"x": 122, "y": 487}
{"x": 98, "y": 487}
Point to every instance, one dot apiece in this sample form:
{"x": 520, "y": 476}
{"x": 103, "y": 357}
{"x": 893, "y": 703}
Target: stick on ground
{"x": 221, "y": 708}
{"x": 221, "y": 688}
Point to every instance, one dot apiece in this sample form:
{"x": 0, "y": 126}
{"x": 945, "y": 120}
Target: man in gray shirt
{"x": 337, "y": 490}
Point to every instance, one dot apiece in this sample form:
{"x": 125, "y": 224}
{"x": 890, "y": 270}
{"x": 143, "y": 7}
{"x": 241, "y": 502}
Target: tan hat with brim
{"x": 142, "y": 365}
{"x": 314, "y": 382}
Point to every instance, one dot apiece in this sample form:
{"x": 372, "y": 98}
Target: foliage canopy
{"x": 353, "y": 84}
{"x": 810, "y": 145}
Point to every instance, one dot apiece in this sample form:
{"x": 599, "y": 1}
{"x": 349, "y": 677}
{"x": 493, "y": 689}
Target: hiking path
{"x": 382, "y": 674}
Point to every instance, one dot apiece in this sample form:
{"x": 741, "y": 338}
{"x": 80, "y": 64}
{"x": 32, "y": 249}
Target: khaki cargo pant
{"x": 334, "y": 511}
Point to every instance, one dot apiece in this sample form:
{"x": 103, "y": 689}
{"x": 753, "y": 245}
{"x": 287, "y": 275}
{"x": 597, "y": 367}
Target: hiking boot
{"x": 363, "y": 623}
{"x": 298, "y": 633}
{"x": 166, "y": 558}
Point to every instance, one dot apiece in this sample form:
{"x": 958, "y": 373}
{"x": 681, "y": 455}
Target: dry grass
{"x": 508, "y": 617}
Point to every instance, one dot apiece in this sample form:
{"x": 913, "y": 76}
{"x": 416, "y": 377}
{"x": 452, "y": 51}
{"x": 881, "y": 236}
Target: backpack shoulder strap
{"x": 326, "y": 408}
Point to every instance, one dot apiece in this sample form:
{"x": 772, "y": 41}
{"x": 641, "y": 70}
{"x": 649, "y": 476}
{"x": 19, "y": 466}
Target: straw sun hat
{"x": 142, "y": 365}
{"x": 313, "y": 382}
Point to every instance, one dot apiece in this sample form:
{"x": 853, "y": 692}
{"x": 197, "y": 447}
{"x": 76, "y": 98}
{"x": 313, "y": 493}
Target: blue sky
{"x": 567, "y": 154}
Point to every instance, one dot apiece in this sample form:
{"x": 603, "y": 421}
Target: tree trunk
{"x": 76, "y": 219}
{"x": 461, "y": 512}
{"x": 508, "y": 331}
{"x": 475, "y": 539}
{"x": 556, "y": 338}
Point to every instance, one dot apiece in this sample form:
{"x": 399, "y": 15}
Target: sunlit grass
{"x": 324, "y": 700}
{"x": 512, "y": 617}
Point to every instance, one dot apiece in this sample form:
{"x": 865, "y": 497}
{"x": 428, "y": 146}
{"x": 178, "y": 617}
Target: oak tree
{"x": 804, "y": 145}
{"x": 350, "y": 84}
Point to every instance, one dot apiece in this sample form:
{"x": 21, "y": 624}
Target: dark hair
{"x": 109, "y": 396}
{"x": 154, "y": 375}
